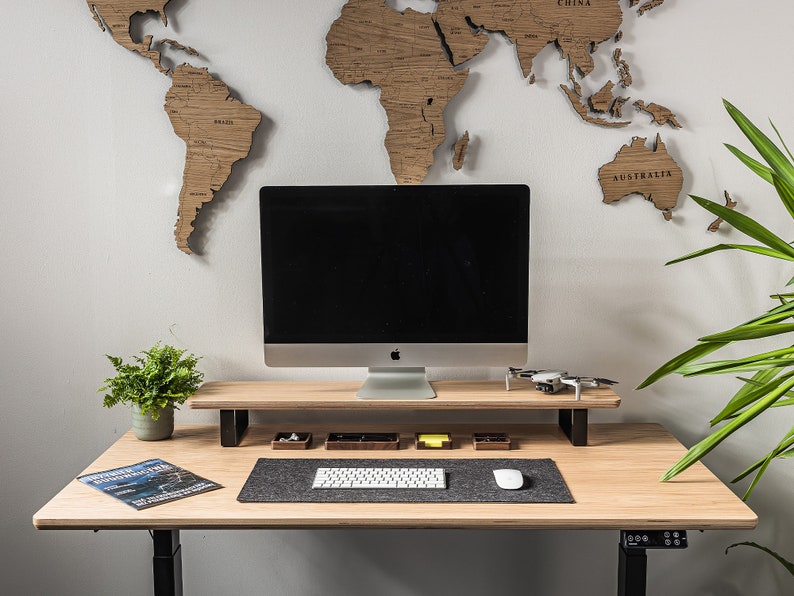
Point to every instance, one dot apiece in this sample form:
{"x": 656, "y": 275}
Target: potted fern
{"x": 767, "y": 378}
{"x": 153, "y": 385}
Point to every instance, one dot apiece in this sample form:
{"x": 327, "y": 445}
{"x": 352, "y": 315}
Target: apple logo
{"x": 395, "y": 355}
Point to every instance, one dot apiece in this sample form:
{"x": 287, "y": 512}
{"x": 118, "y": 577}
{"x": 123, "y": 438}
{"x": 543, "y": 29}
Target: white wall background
{"x": 90, "y": 171}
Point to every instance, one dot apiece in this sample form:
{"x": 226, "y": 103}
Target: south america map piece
{"x": 402, "y": 54}
{"x": 577, "y": 26}
{"x": 116, "y": 14}
{"x": 218, "y": 131}
{"x": 660, "y": 114}
{"x": 460, "y": 151}
{"x": 650, "y": 173}
{"x": 730, "y": 204}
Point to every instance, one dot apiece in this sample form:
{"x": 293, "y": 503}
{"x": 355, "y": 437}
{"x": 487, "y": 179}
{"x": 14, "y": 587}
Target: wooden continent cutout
{"x": 730, "y": 204}
{"x": 218, "y": 131}
{"x": 459, "y": 153}
{"x": 660, "y": 114}
{"x": 117, "y": 15}
{"x": 402, "y": 54}
{"x": 639, "y": 170}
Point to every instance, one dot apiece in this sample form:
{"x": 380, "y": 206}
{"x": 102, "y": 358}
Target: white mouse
{"x": 509, "y": 479}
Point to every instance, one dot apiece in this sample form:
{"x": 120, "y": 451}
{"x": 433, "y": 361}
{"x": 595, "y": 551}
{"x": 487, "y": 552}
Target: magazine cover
{"x": 148, "y": 483}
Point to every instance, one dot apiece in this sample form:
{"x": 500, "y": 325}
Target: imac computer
{"x": 395, "y": 279}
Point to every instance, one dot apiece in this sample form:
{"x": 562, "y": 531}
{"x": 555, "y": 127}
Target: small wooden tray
{"x": 445, "y": 443}
{"x": 361, "y": 441}
{"x": 491, "y": 441}
{"x": 283, "y": 441}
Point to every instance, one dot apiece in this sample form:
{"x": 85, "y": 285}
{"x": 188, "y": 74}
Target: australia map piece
{"x": 660, "y": 114}
{"x": 116, "y": 14}
{"x": 402, "y": 54}
{"x": 460, "y": 151}
{"x": 639, "y": 170}
{"x": 218, "y": 131}
{"x": 730, "y": 204}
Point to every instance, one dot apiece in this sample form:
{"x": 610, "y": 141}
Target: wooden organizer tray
{"x": 303, "y": 441}
{"x": 490, "y": 441}
{"x": 363, "y": 441}
{"x": 445, "y": 444}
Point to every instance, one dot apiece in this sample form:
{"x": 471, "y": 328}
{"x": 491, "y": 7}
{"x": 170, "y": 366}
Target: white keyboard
{"x": 369, "y": 477}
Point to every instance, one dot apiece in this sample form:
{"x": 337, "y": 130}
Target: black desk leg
{"x": 632, "y": 569}
{"x": 234, "y": 423}
{"x": 574, "y": 424}
{"x": 167, "y": 563}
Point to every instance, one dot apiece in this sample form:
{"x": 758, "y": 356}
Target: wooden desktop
{"x": 614, "y": 481}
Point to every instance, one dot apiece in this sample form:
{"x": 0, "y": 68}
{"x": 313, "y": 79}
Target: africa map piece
{"x": 402, "y": 54}
{"x": 116, "y": 14}
{"x": 460, "y": 151}
{"x": 730, "y": 204}
{"x": 218, "y": 131}
{"x": 637, "y": 169}
{"x": 660, "y": 114}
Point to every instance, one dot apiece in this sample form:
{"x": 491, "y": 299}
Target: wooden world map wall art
{"x": 217, "y": 128}
{"x": 418, "y": 62}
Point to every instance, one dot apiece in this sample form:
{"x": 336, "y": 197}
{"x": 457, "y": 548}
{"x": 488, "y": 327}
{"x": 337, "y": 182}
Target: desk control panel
{"x": 670, "y": 539}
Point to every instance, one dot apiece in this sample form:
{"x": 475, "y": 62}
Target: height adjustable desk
{"x": 614, "y": 480}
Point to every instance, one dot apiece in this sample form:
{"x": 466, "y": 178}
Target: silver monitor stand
{"x": 396, "y": 383}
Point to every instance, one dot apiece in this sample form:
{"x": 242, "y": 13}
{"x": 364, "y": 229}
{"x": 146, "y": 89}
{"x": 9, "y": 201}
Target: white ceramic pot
{"x": 146, "y": 428}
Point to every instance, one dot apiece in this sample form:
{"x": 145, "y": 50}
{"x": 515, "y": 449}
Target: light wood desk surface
{"x": 614, "y": 481}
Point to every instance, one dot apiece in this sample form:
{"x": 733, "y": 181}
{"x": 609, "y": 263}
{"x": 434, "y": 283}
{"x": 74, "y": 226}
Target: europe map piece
{"x": 401, "y": 54}
{"x": 216, "y": 127}
{"x": 650, "y": 173}
{"x": 218, "y": 131}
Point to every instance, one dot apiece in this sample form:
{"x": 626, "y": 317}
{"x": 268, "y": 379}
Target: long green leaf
{"x": 718, "y": 364}
{"x": 765, "y": 147}
{"x": 744, "y": 399}
{"x": 761, "y": 250}
{"x": 701, "y": 449}
{"x": 762, "y": 464}
{"x": 787, "y": 564}
{"x": 780, "y": 138}
{"x": 746, "y": 225}
{"x": 756, "y": 166}
{"x": 694, "y": 353}
{"x": 750, "y": 332}
{"x": 698, "y": 370}
{"x": 785, "y": 191}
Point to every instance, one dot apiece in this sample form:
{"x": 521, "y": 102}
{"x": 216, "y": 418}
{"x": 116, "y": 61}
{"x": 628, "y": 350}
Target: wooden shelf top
{"x": 614, "y": 481}
{"x": 341, "y": 395}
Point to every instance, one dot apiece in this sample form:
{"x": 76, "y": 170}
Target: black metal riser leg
{"x": 167, "y": 563}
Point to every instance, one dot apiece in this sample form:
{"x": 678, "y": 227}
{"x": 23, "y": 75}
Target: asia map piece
{"x": 216, "y": 127}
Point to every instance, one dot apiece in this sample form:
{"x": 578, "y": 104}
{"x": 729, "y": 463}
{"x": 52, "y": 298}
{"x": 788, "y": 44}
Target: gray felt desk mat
{"x": 282, "y": 480}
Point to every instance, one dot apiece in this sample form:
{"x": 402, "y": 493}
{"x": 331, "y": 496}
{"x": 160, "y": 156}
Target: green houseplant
{"x": 153, "y": 385}
{"x": 767, "y": 378}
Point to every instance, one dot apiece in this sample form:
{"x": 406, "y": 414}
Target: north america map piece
{"x": 116, "y": 14}
{"x": 637, "y": 169}
{"x": 218, "y": 131}
{"x": 402, "y": 54}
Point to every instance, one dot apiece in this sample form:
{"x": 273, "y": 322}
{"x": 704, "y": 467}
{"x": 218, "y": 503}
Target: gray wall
{"x": 90, "y": 171}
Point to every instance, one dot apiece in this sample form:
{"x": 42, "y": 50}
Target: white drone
{"x": 552, "y": 381}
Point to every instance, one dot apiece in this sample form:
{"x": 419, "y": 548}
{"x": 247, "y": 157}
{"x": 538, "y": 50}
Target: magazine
{"x": 148, "y": 483}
